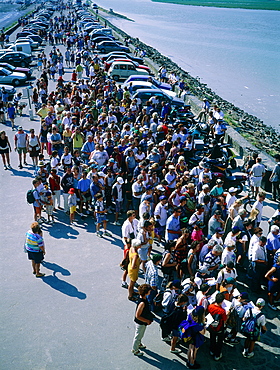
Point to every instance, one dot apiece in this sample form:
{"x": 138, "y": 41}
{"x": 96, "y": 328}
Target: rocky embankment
{"x": 250, "y": 127}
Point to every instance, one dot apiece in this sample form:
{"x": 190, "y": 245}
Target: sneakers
{"x": 124, "y": 285}
{"x": 166, "y": 339}
{"x": 9, "y": 166}
{"x": 274, "y": 308}
{"x": 234, "y": 341}
{"x": 176, "y": 350}
{"x": 217, "y": 358}
{"x": 245, "y": 352}
{"x": 249, "y": 355}
{"x": 107, "y": 233}
{"x": 25, "y": 163}
{"x": 5, "y": 167}
{"x": 138, "y": 353}
{"x": 142, "y": 346}
{"x": 20, "y": 167}
{"x": 99, "y": 234}
{"x": 117, "y": 223}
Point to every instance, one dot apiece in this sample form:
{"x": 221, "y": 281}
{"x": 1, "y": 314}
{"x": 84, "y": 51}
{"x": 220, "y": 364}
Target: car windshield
{"x": 6, "y": 71}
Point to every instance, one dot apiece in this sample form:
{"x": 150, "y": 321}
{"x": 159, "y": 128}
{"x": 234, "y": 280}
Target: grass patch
{"x": 248, "y": 4}
{"x": 114, "y": 14}
{"x": 11, "y": 25}
{"x": 232, "y": 122}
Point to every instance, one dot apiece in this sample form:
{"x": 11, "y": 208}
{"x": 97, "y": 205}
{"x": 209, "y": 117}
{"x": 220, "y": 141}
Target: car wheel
{"x": 102, "y": 51}
{"x": 16, "y": 82}
{"x": 23, "y": 64}
{"x": 116, "y": 77}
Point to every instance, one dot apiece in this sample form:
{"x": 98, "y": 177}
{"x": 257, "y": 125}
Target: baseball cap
{"x": 182, "y": 198}
{"x": 120, "y": 180}
{"x": 232, "y": 190}
{"x": 219, "y": 181}
{"x": 219, "y": 230}
{"x": 244, "y": 295}
{"x": 41, "y": 164}
{"x": 160, "y": 188}
{"x": 162, "y": 197}
{"x": 260, "y": 302}
{"x": 218, "y": 212}
{"x": 235, "y": 229}
{"x": 176, "y": 283}
{"x": 20, "y": 127}
{"x": 101, "y": 174}
{"x": 71, "y": 191}
{"x": 111, "y": 160}
{"x": 205, "y": 186}
{"x": 149, "y": 187}
{"x": 230, "y": 280}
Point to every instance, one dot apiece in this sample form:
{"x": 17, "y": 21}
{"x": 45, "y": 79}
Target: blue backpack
{"x": 249, "y": 327}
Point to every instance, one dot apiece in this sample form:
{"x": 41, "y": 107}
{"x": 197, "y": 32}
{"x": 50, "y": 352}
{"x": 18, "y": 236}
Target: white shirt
{"x": 223, "y": 274}
{"x": 228, "y": 256}
{"x": 230, "y": 199}
{"x": 259, "y": 206}
{"x": 161, "y": 211}
{"x": 130, "y": 227}
{"x": 137, "y": 188}
{"x": 255, "y": 311}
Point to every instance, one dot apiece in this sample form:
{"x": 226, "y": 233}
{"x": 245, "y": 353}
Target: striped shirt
{"x": 33, "y": 242}
{"x": 151, "y": 276}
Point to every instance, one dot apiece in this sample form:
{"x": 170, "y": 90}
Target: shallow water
{"x": 235, "y": 51}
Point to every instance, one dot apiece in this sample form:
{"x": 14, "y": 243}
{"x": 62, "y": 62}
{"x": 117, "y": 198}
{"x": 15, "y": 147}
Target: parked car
{"x": 9, "y": 67}
{"x": 121, "y": 70}
{"x": 34, "y": 44}
{"x": 108, "y": 64}
{"x": 10, "y": 90}
{"x": 153, "y": 80}
{"x": 137, "y": 85}
{"x": 107, "y": 46}
{"x": 16, "y": 59}
{"x": 99, "y": 39}
{"x": 121, "y": 54}
{"x": 146, "y": 94}
{"x": 11, "y": 78}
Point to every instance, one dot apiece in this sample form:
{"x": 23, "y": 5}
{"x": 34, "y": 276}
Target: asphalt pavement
{"x": 78, "y": 316}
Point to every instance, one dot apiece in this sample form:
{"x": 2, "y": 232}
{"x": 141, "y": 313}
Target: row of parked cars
{"x": 121, "y": 65}
{"x": 16, "y": 57}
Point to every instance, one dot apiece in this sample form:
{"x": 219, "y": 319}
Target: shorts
{"x": 119, "y": 206}
{"x": 100, "y": 218}
{"x": 143, "y": 253}
{"x": 256, "y": 181}
{"x": 73, "y": 209}
{"x": 43, "y": 139}
{"x": 273, "y": 287}
{"x": 37, "y": 257}
{"x": 21, "y": 150}
{"x": 5, "y": 151}
{"x": 86, "y": 197}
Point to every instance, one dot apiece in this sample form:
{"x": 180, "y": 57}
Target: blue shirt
{"x": 273, "y": 242}
{"x": 172, "y": 223}
{"x": 84, "y": 185}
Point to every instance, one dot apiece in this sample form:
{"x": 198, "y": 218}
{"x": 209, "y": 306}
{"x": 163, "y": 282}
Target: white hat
{"x": 232, "y": 190}
{"x": 120, "y": 180}
{"x": 205, "y": 186}
{"x": 101, "y": 174}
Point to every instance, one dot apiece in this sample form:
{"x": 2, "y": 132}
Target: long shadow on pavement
{"x": 56, "y": 268}
{"x": 62, "y": 231}
{"x": 161, "y": 362}
{"x": 63, "y": 287}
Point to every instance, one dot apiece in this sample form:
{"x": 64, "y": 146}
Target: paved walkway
{"x": 78, "y": 316}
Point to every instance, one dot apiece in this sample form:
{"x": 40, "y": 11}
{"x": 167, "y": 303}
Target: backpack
{"x": 185, "y": 329}
{"x": 171, "y": 303}
{"x": 217, "y": 320}
{"x": 30, "y": 196}
{"x": 249, "y": 327}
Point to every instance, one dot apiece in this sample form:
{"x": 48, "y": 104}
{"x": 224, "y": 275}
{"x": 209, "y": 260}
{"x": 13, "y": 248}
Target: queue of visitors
{"x": 108, "y": 153}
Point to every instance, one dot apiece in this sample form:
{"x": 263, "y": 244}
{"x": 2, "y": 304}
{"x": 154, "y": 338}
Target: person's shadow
{"x": 62, "y": 286}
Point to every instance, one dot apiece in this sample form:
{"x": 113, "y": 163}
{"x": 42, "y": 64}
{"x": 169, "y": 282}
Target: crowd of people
{"x": 107, "y": 153}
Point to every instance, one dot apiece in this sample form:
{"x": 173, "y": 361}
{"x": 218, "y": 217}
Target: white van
{"x": 122, "y": 70}
{"x": 24, "y": 47}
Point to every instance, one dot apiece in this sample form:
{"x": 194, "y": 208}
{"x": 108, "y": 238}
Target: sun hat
{"x": 120, "y": 180}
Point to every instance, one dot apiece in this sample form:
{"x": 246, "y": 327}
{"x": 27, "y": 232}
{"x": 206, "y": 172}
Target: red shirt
{"x": 214, "y": 309}
{"x": 54, "y": 182}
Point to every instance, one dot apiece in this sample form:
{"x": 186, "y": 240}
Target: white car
{"x": 136, "y": 85}
{"x": 122, "y": 70}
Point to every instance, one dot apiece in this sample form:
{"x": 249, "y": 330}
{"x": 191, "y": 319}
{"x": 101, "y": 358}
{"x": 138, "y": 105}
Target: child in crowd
{"x": 100, "y": 213}
{"x": 49, "y": 206}
{"x": 72, "y": 202}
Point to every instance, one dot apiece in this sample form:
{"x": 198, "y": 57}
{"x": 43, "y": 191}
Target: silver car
{"x": 11, "y": 78}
